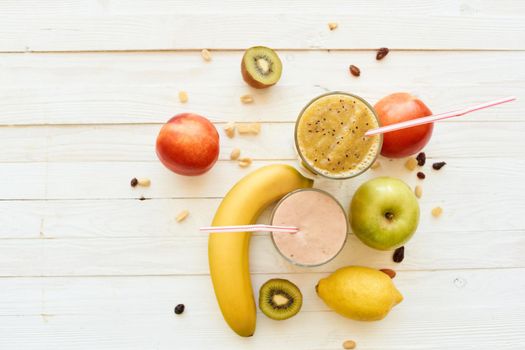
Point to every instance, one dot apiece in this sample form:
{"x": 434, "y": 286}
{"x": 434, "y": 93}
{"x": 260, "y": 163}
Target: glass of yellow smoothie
{"x": 329, "y": 135}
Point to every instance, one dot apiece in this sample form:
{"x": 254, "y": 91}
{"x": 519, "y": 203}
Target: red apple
{"x": 397, "y": 108}
{"x": 188, "y": 144}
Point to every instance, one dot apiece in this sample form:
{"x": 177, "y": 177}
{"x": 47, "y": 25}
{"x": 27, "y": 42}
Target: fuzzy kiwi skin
{"x": 249, "y": 79}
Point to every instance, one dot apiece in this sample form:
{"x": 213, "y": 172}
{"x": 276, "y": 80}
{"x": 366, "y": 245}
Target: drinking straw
{"x": 436, "y": 117}
{"x": 249, "y": 228}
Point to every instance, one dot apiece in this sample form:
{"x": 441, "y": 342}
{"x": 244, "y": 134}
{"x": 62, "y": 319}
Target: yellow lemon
{"x": 359, "y": 293}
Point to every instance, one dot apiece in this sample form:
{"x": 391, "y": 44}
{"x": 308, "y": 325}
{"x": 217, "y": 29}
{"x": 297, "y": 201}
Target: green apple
{"x": 384, "y": 213}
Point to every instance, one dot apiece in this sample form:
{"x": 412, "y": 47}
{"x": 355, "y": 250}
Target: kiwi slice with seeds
{"x": 261, "y": 67}
{"x": 280, "y": 299}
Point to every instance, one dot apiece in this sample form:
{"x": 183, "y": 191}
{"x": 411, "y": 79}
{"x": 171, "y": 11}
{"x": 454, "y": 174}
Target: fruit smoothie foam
{"x": 322, "y": 227}
{"x": 330, "y": 139}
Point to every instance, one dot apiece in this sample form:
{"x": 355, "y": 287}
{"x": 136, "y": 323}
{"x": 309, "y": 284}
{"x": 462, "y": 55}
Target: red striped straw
{"x": 249, "y": 228}
{"x": 436, "y": 117}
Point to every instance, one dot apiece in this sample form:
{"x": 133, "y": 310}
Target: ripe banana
{"x": 228, "y": 253}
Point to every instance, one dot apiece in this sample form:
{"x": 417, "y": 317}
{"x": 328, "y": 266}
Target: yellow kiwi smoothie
{"x": 329, "y": 135}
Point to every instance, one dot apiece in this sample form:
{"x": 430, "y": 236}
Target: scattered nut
{"x": 399, "y": 254}
{"x": 421, "y": 158}
{"x": 179, "y": 309}
{"x": 418, "y": 191}
{"x": 234, "y": 155}
{"x": 205, "y": 54}
{"x": 229, "y": 129}
{"x": 410, "y": 164}
{"x": 245, "y": 162}
{"x": 355, "y": 71}
{"x": 144, "y": 182}
{"x": 381, "y": 53}
{"x": 183, "y": 96}
{"x": 134, "y": 182}
{"x": 332, "y": 26}
{"x": 438, "y": 165}
{"x": 247, "y": 98}
{"x": 182, "y": 216}
{"x": 376, "y": 165}
{"x": 389, "y": 272}
{"x": 420, "y": 175}
{"x": 349, "y": 344}
{"x": 437, "y": 211}
{"x": 249, "y": 128}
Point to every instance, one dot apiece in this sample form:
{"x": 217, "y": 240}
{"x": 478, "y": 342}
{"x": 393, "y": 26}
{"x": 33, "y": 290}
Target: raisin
{"x": 355, "y": 71}
{"x": 381, "y": 53}
{"x": 399, "y": 254}
{"x": 438, "y": 165}
{"x": 134, "y": 182}
{"x": 420, "y": 175}
{"x": 179, "y": 309}
{"x": 421, "y": 158}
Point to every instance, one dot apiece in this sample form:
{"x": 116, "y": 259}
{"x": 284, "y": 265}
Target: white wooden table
{"x": 85, "y": 86}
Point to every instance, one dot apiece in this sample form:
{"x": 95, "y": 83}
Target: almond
{"x": 391, "y": 273}
{"x": 249, "y": 128}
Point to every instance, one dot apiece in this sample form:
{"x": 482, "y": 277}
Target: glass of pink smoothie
{"x": 322, "y": 224}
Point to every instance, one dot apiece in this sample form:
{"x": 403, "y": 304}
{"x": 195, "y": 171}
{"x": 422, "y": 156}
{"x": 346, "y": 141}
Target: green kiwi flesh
{"x": 280, "y": 299}
{"x": 261, "y": 67}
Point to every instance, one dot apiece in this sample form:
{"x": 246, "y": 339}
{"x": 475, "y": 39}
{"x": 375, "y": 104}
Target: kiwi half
{"x": 261, "y": 67}
{"x": 280, "y": 299}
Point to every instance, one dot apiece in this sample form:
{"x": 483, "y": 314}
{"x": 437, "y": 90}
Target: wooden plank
{"x": 26, "y": 33}
{"x": 93, "y": 143}
{"x": 142, "y": 88}
{"x": 470, "y": 312}
{"x": 137, "y": 7}
{"x": 125, "y": 296}
{"x": 378, "y": 7}
{"x": 106, "y": 180}
{"x": 187, "y": 255}
{"x": 156, "y": 218}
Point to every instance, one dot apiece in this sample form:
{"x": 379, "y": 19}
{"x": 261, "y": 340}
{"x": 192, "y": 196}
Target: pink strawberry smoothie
{"x": 322, "y": 227}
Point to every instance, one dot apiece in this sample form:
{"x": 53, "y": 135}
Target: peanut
{"x": 245, "y": 162}
{"x": 182, "y": 215}
{"x": 349, "y": 344}
{"x": 144, "y": 182}
{"x": 247, "y": 99}
{"x": 234, "y": 155}
{"x": 418, "y": 191}
{"x": 411, "y": 164}
{"x": 205, "y": 54}
{"x": 229, "y": 129}
{"x": 332, "y": 26}
{"x": 183, "y": 96}
{"x": 437, "y": 211}
{"x": 249, "y": 128}
{"x": 376, "y": 165}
